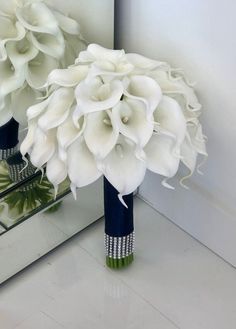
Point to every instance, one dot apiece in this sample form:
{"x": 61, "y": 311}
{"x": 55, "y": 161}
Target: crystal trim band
{"x": 4, "y": 154}
{"x": 17, "y": 174}
{"x": 119, "y": 247}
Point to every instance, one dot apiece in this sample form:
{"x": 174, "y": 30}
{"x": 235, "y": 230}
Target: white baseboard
{"x": 196, "y": 213}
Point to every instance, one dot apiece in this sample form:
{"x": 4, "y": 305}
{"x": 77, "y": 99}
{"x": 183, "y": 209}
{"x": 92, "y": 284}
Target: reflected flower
{"x": 34, "y": 40}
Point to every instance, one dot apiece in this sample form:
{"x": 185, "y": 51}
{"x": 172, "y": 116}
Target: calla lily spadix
{"x": 117, "y": 115}
{"x": 35, "y": 39}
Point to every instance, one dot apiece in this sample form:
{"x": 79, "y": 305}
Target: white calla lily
{"x": 21, "y": 52}
{"x": 5, "y": 112}
{"x": 145, "y": 89}
{"x": 96, "y": 52}
{"x": 56, "y": 171}
{"x": 163, "y": 150}
{"x": 101, "y": 133}
{"x": 131, "y": 118}
{"x": 43, "y": 147}
{"x": 173, "y": 86}
{"x": 7, "y": 28}
{"x": 10, "y": 78}
{"x": 39, "y": 69}
{"x": 49, "y": 44}
{"x": 189, "y": 155}
{"x": 105, "y": 62}
{"x": 122, "y": 168}
{"x": 37, "y": 17}
{"x": 66, "y": 23}
{"x": 9, "y": 32}
{"x": 68, "y": 132}
{"x": 109, "y": 71}
{"x": 29, "y": 139}
{"x": 193, "y": 144}
{"x": 36, "y": 110}
{"x": 67, "y": 77}
{"x": 143, "y": 64}
{"x": 94, "y": 95}
{"x": 194, "y": 129}
{"x": 82, "y": 168}
{"x": 170, "y": 117}
{"x": 77, "y": 114}
{"x": 160, "y": 155}
{"x": 73, "y": 46}
{"x": 58, "y": 109}
{"x": 22, "y": 99}
{"x": 8, "y": 7}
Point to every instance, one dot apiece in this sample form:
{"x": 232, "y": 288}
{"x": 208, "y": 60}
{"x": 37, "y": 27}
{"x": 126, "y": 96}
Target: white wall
{"x": 198, "y": 35}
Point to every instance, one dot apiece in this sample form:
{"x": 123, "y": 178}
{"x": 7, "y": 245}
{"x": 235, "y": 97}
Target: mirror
{"x": 32, "y": 220}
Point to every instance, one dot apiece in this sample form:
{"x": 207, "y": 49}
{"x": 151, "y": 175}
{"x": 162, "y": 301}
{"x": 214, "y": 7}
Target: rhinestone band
{"x": 17, "y": 174}
{"x": 4, "y": 154}
{"x": 119, "y": 247}
{"x": 28, "y": 187}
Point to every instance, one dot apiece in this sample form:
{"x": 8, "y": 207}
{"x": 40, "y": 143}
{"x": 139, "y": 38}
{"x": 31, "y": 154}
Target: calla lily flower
{"x": 8, "y": 8}
{"x": 101, "y": 133}
{"x": 5, "y": 113}
{"x": 68, "y": 77}
{"x": 118, "y": 115}
{"x": 143, "y": 64}
{"x": 94, "y": 95}
{"x": 194, "y": 129}
{"x": 39, "y": 69}
{"x": 163, "y": 150}
{"x": 67, "y": 24}
{"x": 10, "y": 78}
{"x": 169, "y": 116}
{"x": 131, "y": 117}
{"x": 43, "y": 147}
{"x": 82, "y": 168}
{"x": 189, "y": 155}
{"x": 122, "y": 168}
{"x": 21, "y": 99}
{"x": 36, "y": 110}
{"x": 160, "y": 155}
{"x": 21, "y": 52}
{"x": 9, "y": 32}
{"x": 73, "y": 46}
{"x": 49, "y": 44}
{"x": 28, "y": 141}
{"x": 67, "y": 133}
{"x": 57, "y": 110}
{"x": 172, "y": 86}
{"x": 56, "y": 171}
{"x": 96, "y": 52}
{"x": 108, "y": 71}
{"x": 193, "y": 144}
{"x": 105, "y": 62}
{"x": 144, "y": 89}
{"x": 37, "y": 17}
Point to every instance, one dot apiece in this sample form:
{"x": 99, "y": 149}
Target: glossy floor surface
{"x": 175, "y": 282}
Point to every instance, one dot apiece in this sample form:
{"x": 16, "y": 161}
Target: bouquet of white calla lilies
{"x": 34, "y": 40}
{"x": 117, "y": 115}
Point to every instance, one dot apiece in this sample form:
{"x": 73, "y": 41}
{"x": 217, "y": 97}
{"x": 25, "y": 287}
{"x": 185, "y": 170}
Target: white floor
{"x": 175, "y": 282}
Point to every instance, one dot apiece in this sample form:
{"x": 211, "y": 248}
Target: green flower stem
{"x": 116, "y": 263}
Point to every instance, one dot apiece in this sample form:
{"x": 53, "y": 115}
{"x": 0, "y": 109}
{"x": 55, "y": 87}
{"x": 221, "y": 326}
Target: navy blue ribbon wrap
{"x": 119, "y": 220}
{"x": 9, "y": 135}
